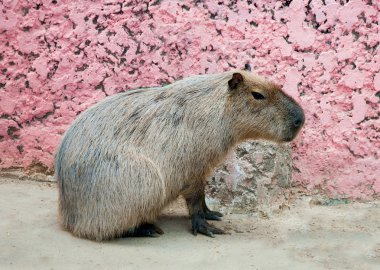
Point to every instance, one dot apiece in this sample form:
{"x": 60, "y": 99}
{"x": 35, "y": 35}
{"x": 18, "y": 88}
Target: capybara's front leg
{"x": 195, "y": 203}
{"x": 209, "y": 214}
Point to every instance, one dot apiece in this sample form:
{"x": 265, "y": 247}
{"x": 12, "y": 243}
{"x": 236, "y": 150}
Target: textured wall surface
{"x": 59, "y": 57}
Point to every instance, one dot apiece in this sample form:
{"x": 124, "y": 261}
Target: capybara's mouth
{"x": 296, "y": 125}
{"x": 291, "y": 135}
{"x": 288, "y": 139}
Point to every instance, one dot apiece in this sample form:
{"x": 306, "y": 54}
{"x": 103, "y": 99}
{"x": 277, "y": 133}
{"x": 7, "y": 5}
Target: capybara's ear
{"x": 247, "y": 67}
{"x": 236, "y": 81}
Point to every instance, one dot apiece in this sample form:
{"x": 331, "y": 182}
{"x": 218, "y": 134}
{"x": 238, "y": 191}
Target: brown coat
{"x": 127, "y": 157}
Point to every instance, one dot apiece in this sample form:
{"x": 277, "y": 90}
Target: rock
{"x": 254, "y": 176}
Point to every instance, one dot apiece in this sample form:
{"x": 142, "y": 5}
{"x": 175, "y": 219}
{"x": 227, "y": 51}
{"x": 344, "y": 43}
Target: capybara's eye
{"x": 257, "y": 95}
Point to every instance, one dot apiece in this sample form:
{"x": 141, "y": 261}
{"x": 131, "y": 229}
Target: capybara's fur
{"x": 127, "y": 157}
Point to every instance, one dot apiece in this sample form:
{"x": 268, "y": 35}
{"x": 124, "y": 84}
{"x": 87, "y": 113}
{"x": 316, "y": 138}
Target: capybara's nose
{"x": 298, "y": 118}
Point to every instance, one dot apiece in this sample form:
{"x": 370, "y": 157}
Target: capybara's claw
{"x": 200, "y": 225}
{"x": 213, "y": 215}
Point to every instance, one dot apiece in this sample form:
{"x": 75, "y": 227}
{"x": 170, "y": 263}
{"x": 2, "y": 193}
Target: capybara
{"x": 124, "y": 159}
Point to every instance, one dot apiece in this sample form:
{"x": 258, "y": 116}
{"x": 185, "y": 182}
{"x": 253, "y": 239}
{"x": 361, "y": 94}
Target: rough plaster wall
{"x": 59, "y": 57}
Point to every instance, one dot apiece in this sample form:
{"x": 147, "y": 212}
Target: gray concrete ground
{"x": 303, "y": 236}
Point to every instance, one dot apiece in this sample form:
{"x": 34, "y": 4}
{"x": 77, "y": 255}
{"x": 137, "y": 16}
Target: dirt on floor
{"x": 303, "y": 236}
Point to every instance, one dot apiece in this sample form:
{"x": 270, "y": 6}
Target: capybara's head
{"x": 262, "y": 110}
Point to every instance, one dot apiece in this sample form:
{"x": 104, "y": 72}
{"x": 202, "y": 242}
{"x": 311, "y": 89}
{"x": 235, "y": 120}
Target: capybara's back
{"x": 125, "y": 158}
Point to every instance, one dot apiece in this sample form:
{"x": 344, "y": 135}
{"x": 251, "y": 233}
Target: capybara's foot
{"x": 212, "y": 215}
{"x": 146, "y": 230}
{"x": 200, "y": 225}
{"x": 209, "y": 214}
{"x": 199, "y": 212}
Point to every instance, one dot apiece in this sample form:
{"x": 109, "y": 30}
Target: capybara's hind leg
{"x": 145, "y": 230}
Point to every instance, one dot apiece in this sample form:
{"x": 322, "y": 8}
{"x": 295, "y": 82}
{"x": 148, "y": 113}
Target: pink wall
{"x": 57, "y": 59}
